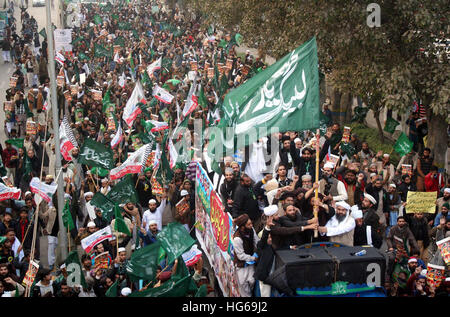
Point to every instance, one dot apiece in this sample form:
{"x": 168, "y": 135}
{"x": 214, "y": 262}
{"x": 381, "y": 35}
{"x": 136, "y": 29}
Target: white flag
{"x": 117, "y": 137}
{"x": 92, "y": 240}
{"x": 192, "y": 100}
{"x": 173, "y": 154}
{"x": 154, "y": 66}
{"x": 132, "y": 110}
{"x": 162, "y": 95}
{"x": 133, "y": 164}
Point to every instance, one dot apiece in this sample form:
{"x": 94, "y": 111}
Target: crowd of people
{"x": 362, "y": 195}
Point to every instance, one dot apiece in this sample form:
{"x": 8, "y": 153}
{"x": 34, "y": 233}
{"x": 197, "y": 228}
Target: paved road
{"x": 6, "y": 70}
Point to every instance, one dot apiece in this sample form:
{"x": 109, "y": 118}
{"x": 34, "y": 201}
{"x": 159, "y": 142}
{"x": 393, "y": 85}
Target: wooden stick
{"x": 316, "y": 195}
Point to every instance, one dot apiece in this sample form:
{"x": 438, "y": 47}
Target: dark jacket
{"x": 266, "y": 256}
{"x": 360, "y": 237}
{"x": 298, "y": 238}
{"x": 245, "y": 202}
{"x": 281, "y": 235}
{"x": 403, "y": 189}
{"x": 419, "y": 228}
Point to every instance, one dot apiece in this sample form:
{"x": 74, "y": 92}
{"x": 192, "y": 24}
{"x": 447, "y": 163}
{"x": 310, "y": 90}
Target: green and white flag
{"x": 93, "y": 153}
{"x": 285, "y": 95}
{"x": 390, "y": 125}
{"x": 16, "y": 143}
{"x": 403, "y": 145}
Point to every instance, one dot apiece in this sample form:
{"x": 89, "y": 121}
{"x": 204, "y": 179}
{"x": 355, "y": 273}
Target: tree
{"x": 388, "y": 66}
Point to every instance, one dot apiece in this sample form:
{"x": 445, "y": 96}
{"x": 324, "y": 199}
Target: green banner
{"x": 67, "y": 217}
{"x": 105, "y": 204}
{"x": 175, "y": 240}
{"x": 403, "y": 145}
{"x": 285, "y": 95}
{"x": 119, "y": 223}
{"x": 144, "y": 262}
{"x": 390, "y": 125}
{"x": 124, "y": 191}
{"x": 93, "y": 154}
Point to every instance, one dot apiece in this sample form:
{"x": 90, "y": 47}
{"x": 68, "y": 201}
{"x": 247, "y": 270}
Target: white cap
{"x": 373, "y": 174}
{"x": 27, "y": 193}
{"x": 385, "y": 155}
{"x": 370, "y": 197}
{"x": 88, "y": 194}
{"x": 343, "y": 204}
{"x": 152, "y": 201}
{"x": 328, "y": 165}
{"x": 63, "y": 266}
{"x": 91, "y": 224}
{"x": 104, "y": 180}
{"x": 297, "y": 140}
{"x": 412, "y": 260}
{"x": 184, "y": 192}
{"x": 152, "y": 222}
{"x": 270, "y": 210}
{"x": 392, "y": 185}
{"x": 121, "y": 250}
{"x": 356, "y": 213}
{"x": 125, "y": 291}
{"x": 306, "y": 176}
{"x": 447, "y": 190}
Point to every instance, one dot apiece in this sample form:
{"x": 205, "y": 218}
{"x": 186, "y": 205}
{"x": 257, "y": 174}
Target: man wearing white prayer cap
{"x": 331, "y": 186}
{"x": 444, "y": 199}
{"x": 341, "y": 226}
{"x": 154, "y": 212}
{"x": 363, "y": 234}
{"x": 270, "y": 210}
{"x": 370, "y": 216}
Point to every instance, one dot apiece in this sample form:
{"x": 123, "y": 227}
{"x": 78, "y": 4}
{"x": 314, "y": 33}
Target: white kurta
{"x": 157, "y": 215}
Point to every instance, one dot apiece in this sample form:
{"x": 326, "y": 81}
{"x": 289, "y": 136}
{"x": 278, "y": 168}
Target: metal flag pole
{"x": 62, "y": 235}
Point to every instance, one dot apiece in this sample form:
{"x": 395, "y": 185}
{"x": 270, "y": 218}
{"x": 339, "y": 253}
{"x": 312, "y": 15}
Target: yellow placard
{"x": 421, "y": 202}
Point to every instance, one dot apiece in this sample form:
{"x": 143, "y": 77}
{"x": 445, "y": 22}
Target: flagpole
{"x": 316, "y": 194}
{"x": 62, "y": 238}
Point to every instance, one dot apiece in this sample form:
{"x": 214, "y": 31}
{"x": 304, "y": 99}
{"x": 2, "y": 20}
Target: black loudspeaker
{"x": 368, "y": 268}
{"x": 322, "y": 266}
{"x": 305, "y": 267}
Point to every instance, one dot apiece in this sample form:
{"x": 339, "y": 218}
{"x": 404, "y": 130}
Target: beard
{"x": 350, "y": 182}
{"x": 340, "y": 218}
{"x": 74, "y": 155}
{"x": 366, "y": 151}
{"x": 447, "y": 198}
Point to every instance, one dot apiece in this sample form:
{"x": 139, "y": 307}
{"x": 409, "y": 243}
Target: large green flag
{"x": 119, "y": 224}
{"x": 67, "y": 216}
{"x": 105, "y": 204}
{"x": 124, "y": 191}
{"x": 175, "y": 240}
{"x": 99, "y": 171}
{"x": 285, "y": 96}
{"x": 113, "y": 290}
{"x": 16, "y": 143}
{"x": 144, "y": 262}
{"x": 100, "y": 51}
{"x": 390, "y": 125}
{"x": 75, "y": 275}
{"x": 93, "y": 153}
{"x": 403, "y": 145}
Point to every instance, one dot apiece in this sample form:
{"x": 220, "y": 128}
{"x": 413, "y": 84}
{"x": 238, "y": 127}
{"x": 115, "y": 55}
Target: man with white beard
{"x": 341, "y": 226}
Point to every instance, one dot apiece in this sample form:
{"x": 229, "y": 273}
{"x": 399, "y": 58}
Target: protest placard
{"x": 421, "y": 202}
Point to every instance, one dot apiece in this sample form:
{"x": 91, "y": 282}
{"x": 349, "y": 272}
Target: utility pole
{"x": 62, "y": 236}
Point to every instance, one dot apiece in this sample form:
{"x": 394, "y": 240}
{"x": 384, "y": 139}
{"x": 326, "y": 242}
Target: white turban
{"x": 447, "y": 190}
{"x": 88, "y": 194}
{"x": 270, "y": 210}
{"x": 343, "y": 204}
{"x": 356, "y": 213}
{"x": 370, "y": 197}
{"x": 328, "y": 165}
